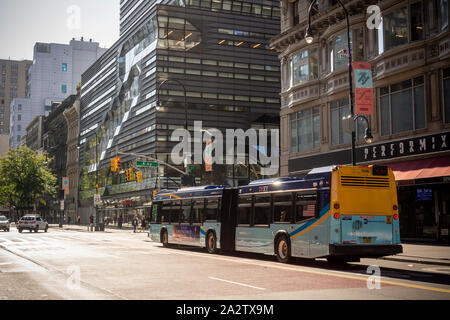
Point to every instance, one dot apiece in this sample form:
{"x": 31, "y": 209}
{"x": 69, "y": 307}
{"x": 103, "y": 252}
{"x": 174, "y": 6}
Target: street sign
{"x": 147, "y": 164}
{"x": 65, "y": 185}
{"x": 363, "y": 88}
{"x": 97, "y": 199}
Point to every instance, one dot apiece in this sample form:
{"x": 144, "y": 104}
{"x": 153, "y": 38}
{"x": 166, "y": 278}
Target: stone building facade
{"x": 408, "y": 48}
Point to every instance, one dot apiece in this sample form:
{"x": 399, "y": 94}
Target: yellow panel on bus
{"x": 363, "y": 190}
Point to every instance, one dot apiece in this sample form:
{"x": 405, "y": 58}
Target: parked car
{"x": 4, "y": 224}
{"x": 32, "y": 223}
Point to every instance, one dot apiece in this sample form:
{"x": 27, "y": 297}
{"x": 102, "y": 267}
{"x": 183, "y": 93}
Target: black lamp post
{"x": 97, "y": 162}
{"x": 368, "y": 138}
{"x": 309, "y": 39}
{"x": 158, "y": 106}
{"x": 158, "y": 102}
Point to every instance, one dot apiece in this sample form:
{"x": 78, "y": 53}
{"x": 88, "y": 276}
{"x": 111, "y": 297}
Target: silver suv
{"x": 4, "y": 224}
{"x": 32, "y": 223}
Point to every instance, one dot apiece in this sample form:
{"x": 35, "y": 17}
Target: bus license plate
{"x": 367, "y": 240}
{"x": 388, "y": 220}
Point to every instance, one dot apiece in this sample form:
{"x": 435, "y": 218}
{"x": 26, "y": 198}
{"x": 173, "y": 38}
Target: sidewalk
{"x": 436, "y": 254}
{"x": 84, "y": 228}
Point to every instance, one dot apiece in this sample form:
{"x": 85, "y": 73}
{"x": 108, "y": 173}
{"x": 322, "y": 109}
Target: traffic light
{"x": 130, "y": 175}
{"x": 139, "y": 176}
{"x": 154, "y": 193}
{"x": 115, "y": 164}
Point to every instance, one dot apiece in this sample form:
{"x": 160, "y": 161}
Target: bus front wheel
{"x": 165, "y": 238}
{"x": 211, "y": 242}
{"x": 283, "y": 249}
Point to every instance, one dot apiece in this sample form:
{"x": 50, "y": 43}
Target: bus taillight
{"x": 395, "y": 207}
{"x": 336, "y": 215}
{"x": 336, "y": 205}
{"x": 395, "y": 216}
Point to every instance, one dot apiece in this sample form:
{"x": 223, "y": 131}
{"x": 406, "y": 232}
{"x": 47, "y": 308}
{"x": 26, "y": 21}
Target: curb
{"x": 438, "y": 263}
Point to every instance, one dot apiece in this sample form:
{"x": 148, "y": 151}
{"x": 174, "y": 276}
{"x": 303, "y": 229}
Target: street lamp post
{"x": 309, "y": 39}
{"x": 158, "y": 102}
{"x": 158, "y": 106}
{"x": 97, "y": 162}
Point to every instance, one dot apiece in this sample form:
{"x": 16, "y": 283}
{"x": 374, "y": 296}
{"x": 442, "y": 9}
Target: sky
{"x": 25, "y": 22}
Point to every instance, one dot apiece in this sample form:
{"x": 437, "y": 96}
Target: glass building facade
{"x": 218, "y": 50}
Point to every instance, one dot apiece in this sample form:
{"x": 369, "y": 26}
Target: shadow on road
{"x": 359, "y": 269}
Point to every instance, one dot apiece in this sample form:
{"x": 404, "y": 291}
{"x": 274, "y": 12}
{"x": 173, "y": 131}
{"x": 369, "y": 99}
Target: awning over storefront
{"x": 423, "y": 168}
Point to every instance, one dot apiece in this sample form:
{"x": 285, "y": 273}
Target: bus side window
{"x": 175, "y": 211}
{"x": 164, "y": 212}
{"x": 185, "y": 210}
{"x": 212, "y": 207}
{"x": 263, "y": 210}
{"x": 282, "y": 207}
{"x": 244, "y": 210}
{"x": 198, "y": 207}
{"x": 305, "y": 206}
{"x": 157, "y": 212}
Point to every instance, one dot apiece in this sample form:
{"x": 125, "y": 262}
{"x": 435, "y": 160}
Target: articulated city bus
{"x": 342, "y": 213}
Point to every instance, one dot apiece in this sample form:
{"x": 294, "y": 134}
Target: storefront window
{"x": 402, "y": 106}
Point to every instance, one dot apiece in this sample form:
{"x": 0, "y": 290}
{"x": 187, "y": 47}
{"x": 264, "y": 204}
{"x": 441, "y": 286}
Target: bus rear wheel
{"x": 165, "y": 238}
{"x": 283, "y": 249}
{"x": 211, "y": 242}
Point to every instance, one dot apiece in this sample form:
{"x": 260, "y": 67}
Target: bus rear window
{"x": 380, "y": 170}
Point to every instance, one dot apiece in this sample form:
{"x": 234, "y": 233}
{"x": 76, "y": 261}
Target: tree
{"x": 24, "y": 178}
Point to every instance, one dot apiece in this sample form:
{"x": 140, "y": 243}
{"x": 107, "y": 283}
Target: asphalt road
{"x": 65, "y": 264}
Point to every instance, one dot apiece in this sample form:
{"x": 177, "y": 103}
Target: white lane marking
{"x": 238, "y": 283}
{"x": 339, "y": 274}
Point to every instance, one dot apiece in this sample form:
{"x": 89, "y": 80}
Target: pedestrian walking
{"x": 134, "y": 223}
{"x": 119, "y": 221}
{"x": 143, "y": 224}
{"x": 91, "y": 222}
